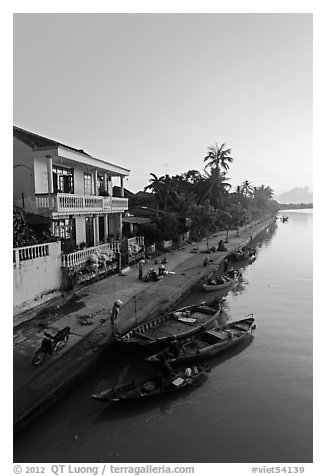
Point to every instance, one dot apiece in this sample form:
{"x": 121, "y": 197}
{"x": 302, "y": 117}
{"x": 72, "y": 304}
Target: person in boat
{"x": 175, "y": 348}
{"x": 114, "y": 317}
{"x": 232, "y": 273}
{"x": 166, "y": 368}
{"x": 164, "y": 260}
{"x": 221, "y": 246}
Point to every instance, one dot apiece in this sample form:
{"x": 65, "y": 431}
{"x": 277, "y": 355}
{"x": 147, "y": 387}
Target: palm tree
{"x": 162, "y": 188}
{"x": 218, "y": 157}
{"x": 218, "y": 187}
{"x": 267, "y": 191}
{"x": 156, "y": 187}
{"x": 247, "y": 189}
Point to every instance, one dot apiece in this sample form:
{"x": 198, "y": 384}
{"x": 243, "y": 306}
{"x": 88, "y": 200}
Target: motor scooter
{"x": 51, "y": 343}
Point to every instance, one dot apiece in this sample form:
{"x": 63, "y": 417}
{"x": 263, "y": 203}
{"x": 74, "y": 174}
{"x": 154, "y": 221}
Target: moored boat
{"x": 180, "y": 324}
{"x": 153, "y": 386}
{"x": 243, "y": 254}
{"x": 207, "y": 344}
{"x": 215, "y": 282}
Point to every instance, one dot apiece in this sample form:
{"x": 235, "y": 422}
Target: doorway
{"x": 89, "y": 231}
{"x": 101, "y": 229}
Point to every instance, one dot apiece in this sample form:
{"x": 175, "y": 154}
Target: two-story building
{"x": 70, "y": 186}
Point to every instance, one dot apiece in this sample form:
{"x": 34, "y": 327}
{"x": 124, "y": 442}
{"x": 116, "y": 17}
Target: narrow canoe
{"x": 173, "y": 326}
{"x": 207, "y": 344}
{"x": 153, "y": 386}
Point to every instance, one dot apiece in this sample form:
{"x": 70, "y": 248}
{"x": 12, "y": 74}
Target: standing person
{"x": 140, "y": 268}
{"x": 225, "y": 265}
{"x": 114, "y": 317}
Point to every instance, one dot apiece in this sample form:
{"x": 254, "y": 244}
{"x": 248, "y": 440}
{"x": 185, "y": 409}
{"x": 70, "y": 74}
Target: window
{"x": 87, "y": 184}
{"x": 63, "y": 179}
{"x": 63, "y": 229}
{"x": 100, "y": 184}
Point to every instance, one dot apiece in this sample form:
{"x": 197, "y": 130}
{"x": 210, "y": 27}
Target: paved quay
{"x": 37, "y": 388}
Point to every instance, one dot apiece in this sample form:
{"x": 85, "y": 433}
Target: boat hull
{"x": 156, "y": 334}
{"x": 200, "y": 348}
{"x": 218, "y": 287}
{"x": 153, "y": 386}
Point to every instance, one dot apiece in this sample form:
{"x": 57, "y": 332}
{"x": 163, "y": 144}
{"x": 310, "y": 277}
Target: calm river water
{"x": 255, "y": 406}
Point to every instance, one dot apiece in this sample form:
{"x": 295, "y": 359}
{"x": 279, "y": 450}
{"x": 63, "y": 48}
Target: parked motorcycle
{"x": 51, "y": 344}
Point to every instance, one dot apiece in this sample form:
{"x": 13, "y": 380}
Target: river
{"x": 255, "y": 406}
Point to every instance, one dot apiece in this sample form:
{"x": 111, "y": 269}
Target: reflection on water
{"x": 255, "y": 406}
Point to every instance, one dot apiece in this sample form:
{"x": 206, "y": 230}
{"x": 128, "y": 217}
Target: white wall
{"x": 79, "y": 180}
{"x": 37, "y": 276}
{"x": 80, "y": 229}
{"x": 41, "y": 175}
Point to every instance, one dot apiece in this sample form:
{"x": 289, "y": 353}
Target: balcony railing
{"x": 70, "y": 203}
{"x": 33, "y": 252}
{"x": 81, "y": 256}
{"x": 30, "y": 252}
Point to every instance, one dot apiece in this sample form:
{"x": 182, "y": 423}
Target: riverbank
{"x": 35, "y": 389}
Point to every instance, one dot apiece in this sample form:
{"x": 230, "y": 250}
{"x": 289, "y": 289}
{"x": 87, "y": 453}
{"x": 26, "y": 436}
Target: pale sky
{"x": 151, "y": 92}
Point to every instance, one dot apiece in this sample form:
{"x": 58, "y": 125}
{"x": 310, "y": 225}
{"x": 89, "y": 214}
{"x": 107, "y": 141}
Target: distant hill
{"x": 296, "y": 195}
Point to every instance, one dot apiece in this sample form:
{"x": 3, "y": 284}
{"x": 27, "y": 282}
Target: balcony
{"x": 71, "y": 203}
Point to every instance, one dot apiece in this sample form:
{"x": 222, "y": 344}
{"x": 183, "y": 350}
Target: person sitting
{"x": 166, "y": 368}
{"x": 221, "y": 246}
{"x": 161, "y": 270}
{"x": 151, "y": 275}
{"x": 175, "y": 348}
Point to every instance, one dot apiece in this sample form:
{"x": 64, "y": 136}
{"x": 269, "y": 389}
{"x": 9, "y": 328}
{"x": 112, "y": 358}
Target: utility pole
{"x": 135, "y": 303}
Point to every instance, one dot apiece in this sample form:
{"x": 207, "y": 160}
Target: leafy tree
{"x": 22, "y": 233}
{"x": 182, "y": 203}
{"x": 203, "y": 219}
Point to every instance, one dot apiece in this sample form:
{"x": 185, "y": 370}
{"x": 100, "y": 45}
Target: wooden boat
{"x": 153, "y": 386}
{"x": 176, "y": 325}
{"x": 207, "y": 344}
{"x": 220, "y": 283}
{"x": 244, "y": 254}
